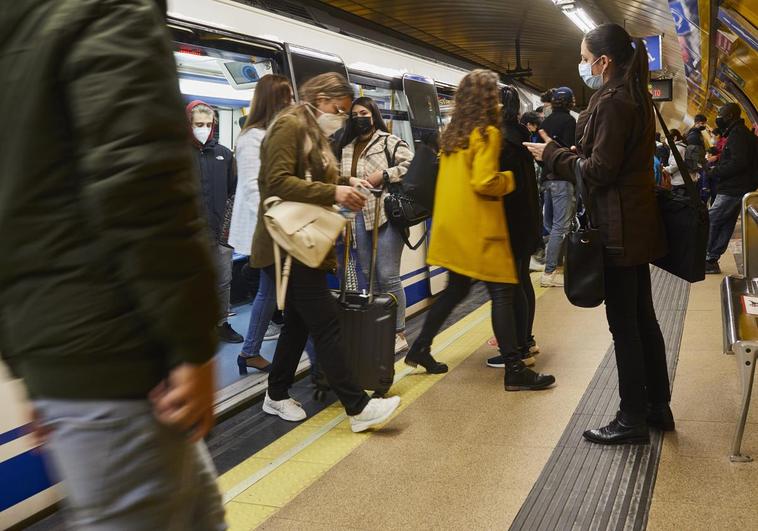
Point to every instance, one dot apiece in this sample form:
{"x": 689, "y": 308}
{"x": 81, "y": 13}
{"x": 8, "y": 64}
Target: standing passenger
{"x": 369, "y": 152}
{"x": 273, "y": 93}
{"x": 470, "y": 236}
{"x": 108, "y": 307}
{"x": 615, "y": 157}
{"x": 218, "y": 180}
{"x": 297, "y": 144}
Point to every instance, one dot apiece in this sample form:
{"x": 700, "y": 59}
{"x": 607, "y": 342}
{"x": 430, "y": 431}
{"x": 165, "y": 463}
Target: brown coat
{"x": 615, "y": 145}
{"x": 282, "y": 174}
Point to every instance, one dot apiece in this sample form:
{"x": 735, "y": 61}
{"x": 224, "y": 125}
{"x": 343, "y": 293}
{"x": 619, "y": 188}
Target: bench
{"x": 741, "y": 328}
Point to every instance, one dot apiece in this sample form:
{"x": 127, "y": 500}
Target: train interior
{"x": 462, "y": 454}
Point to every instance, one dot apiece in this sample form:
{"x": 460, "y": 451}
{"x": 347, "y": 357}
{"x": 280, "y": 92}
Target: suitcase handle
{"x": 377, "y": 193}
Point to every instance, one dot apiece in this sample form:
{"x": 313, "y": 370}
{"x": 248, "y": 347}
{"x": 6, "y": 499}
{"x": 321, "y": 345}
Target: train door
{"x": 426, "y": 121}
{"x": 305, "y": 63}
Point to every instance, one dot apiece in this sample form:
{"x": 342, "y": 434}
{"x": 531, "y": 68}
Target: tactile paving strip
{"x": 585, "y": 486}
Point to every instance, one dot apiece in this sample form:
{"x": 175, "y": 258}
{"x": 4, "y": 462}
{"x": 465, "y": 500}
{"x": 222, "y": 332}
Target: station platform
{"x": 463, "y": 453}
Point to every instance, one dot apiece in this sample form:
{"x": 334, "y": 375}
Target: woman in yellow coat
{"x": 469, "y": 234}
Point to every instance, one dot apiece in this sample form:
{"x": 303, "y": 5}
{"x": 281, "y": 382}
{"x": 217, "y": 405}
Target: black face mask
{"x": 701, "y": 128}
{"x": 362, "y": 124}
{"x": 722, "y": 123}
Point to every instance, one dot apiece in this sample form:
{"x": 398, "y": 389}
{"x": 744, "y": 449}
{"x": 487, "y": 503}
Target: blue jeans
{"x": 122, "y": 469}
{"x": 560, "y": 205}
{"x": 723, "y": 215}
{"x": 389, "y": 252}
{"x": 264, "y": 305}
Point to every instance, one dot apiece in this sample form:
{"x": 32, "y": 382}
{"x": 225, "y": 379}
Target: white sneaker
{"x": 401, "y": 343}
{"x": 289, "y": 409}
{"x": 534, "y": 265}
{"x": 377, "y": 411}
{"x": 272, "y": 332}
{"x": 551, "y": 280}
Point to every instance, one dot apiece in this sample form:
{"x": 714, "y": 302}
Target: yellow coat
{"x": 469, "y": 230}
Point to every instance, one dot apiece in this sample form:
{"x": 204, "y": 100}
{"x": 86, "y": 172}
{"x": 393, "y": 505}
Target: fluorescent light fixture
{"x": 580, "y": 17}
{"x": 374, "y": 69}
{"x": 209, "y": 89}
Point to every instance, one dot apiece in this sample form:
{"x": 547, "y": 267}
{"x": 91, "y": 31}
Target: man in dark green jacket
{"x": 107, "y": 298}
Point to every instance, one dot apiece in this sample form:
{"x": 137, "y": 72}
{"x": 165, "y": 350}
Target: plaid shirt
{"x": 374, "y": 158}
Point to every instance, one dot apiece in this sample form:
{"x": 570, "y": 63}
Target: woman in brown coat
{"x": 615, "y": 144}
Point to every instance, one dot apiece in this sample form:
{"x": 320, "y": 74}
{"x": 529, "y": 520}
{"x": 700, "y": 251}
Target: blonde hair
{"x": 476, "y": 107}
{"x": 328, "y": 85}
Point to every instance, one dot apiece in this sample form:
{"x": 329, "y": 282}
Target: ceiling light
{"x": 579, "y": 17}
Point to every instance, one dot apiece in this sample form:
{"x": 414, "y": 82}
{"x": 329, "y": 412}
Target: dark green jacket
{"x": 283, "y": 168}
{"x": 106, "y": 281}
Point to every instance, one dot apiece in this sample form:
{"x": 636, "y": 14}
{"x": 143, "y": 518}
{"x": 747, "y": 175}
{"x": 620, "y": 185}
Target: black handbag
{"x": 409, "y": 202}
{"x": 583, "y": 275}
{"x": 685, "y": 219}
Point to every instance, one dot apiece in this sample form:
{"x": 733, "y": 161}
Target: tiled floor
{"x": 697, "y": 487}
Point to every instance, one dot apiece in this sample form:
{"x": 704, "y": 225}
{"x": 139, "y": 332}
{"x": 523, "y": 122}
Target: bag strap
{"x": 391, "y": 159}
{"x": 406, "y": 233}
{"x": 683, "y": 171}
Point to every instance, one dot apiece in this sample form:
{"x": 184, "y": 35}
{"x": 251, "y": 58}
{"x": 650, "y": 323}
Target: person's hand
{"x": 376, "y": 179}
{"x": 712, "y": 158}
{"x": 185, "y": 399}
{"x": 37, "y": 428}
{"x": 349, "y": 197}
{"x": 537, "y": 149}
{"x": 355, "y": 181}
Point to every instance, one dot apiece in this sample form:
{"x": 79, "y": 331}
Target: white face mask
{"x": 547, "y": 110}
{"x": 331, "y": 123}
{"x": 593, "y": 81}
{"x": 202, "y": 134}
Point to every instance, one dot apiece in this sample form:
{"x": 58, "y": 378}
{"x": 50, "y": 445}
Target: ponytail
{"x": 637, "y": 77}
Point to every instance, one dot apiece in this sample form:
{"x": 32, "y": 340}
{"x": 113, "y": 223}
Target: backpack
{"x": 694, "y": 157}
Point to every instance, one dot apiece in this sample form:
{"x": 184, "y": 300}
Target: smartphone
{"x": 367, "y": 191}
{"x": 558, "y": 141}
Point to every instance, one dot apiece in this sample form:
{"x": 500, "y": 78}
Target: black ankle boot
{"x": 620, "y": 431}
{"x": 518, "y": 377}
{"x": 423, "y": 356}
{"x": 660, "y": 417}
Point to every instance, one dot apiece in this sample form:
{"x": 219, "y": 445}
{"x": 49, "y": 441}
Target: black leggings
{"x": 503, "y": 319}
{"x": 524, "y": 305}
{"x": 638, "y": 341}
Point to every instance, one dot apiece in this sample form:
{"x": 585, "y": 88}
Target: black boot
{"x": 620, "y": 431}
{"x": 520, "y": 378}
{"x": 712, "y": 267}
{"x": 227, "y": 334}
{"x": 423, "y": 356}
{"x": 659, "y": 416}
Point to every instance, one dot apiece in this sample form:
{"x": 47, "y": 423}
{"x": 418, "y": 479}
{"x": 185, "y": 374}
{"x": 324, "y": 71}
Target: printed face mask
{"x": 202, "y": 134}
{"x": 362, "y": 124}
{"x": 593, "y": 81}
{"x": 331, "y": 123}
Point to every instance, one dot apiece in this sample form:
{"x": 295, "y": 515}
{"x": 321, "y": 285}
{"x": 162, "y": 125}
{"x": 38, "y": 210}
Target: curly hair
{"x": 476, "y": 106}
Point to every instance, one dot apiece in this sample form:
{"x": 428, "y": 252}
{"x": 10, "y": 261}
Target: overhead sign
{"x": 662, "y": 89}
{"x": 654, "y": 52}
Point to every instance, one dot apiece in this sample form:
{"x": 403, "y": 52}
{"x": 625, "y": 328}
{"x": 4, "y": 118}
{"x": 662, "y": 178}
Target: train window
{"x": 306, "y": 63}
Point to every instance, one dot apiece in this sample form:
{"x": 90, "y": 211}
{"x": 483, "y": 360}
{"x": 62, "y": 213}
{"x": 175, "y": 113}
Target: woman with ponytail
{"x": 614, "y": 157}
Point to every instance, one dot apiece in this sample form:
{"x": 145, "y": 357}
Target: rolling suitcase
{"x": 367, "y": 325}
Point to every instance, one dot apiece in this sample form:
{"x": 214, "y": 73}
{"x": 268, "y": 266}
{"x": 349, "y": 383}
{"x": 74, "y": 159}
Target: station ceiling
{"x": 484, "y": 32}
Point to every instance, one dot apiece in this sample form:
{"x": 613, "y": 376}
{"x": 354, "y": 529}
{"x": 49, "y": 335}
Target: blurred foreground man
{"x": 107, "y": 294}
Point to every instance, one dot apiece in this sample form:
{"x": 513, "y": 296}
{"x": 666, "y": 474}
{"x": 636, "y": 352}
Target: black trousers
{"x": 312, "y": 310}
{"x": 524, "y": 305}
{"x": 640, "y": 349}
{"x": 503, "y": 319}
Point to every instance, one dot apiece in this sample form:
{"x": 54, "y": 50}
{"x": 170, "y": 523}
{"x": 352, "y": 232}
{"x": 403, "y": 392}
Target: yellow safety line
{"x": 265, "y": 482}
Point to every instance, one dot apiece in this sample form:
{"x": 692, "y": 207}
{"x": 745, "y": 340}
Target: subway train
{"x": 221, "y": 50}
{"x": 706, "y": 54}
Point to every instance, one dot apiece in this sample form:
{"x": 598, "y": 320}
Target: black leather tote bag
{"x": 583, "y": 275}
{"x": 685, "y": 219}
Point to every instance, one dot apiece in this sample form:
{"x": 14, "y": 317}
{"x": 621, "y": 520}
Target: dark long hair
{"x": 376, "y": 116}
{"x": 511, "y": 104}
{"x": 272, "y": 94}
{"x": 630, "y": 56}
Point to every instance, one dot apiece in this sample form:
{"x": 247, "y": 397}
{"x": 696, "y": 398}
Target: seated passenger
{"x": 616, "y": 167}
{"x": 470, "y": 235}
{"x": 272, "y": 94}
{"x": 297, "y": 142}
{"x": 369, "y": 152}
{"x": 218, "y": 181}
{"x": 524, "y": 223}
{"x": 108, "y": 308}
